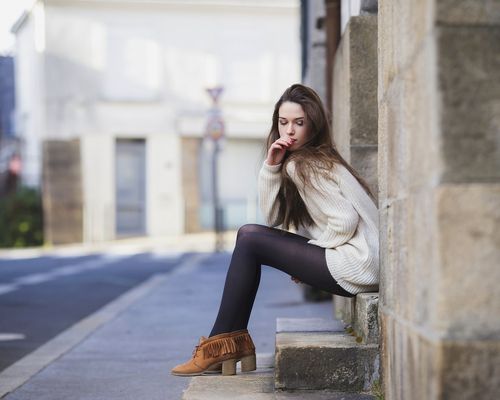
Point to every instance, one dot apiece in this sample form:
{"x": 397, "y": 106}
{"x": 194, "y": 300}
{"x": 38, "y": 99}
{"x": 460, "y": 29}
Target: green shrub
{"x": 21, "y": 219}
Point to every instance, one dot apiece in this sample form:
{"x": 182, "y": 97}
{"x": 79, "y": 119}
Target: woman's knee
{"x": 248, "y": 232}
{"x": 248, "y": 229}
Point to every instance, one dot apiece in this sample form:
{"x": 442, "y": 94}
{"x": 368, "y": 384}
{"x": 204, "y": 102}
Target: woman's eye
{"x": 300, "y": 123}
{"x": 282, "y": 123}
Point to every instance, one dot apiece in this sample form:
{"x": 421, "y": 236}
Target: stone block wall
{"x": 439, "y": 188}
{"x": 355, "y": 112}
{"x": 354, "y": 106}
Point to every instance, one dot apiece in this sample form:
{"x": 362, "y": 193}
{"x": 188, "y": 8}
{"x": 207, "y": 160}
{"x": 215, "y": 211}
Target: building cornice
{"x": 272, "y": 6}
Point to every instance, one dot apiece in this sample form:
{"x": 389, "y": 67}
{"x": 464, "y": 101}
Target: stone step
{"x": 255, "y": 385}
{"x": 314, "y": 354}
{"x": 361, "y": 314}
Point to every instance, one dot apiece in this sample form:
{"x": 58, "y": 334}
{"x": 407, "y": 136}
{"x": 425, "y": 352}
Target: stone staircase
{"x": 314, "y": 358}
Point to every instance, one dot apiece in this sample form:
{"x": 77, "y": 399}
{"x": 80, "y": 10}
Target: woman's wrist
{"x": 270, "y": 164}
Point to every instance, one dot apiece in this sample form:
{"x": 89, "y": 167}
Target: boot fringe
{"x": 227, "y": 345}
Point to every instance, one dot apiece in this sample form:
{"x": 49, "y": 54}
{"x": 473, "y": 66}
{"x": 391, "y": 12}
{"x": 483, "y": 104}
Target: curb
{"x": 204, "y": 241}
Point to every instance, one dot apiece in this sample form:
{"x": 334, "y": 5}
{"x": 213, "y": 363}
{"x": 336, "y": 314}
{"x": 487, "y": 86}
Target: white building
{"x": 128, "y": 78}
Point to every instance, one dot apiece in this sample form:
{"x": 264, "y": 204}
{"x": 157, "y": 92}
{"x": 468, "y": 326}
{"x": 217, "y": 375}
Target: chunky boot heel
{"x": 214, "y": 369}
{"x": 249, "y": 363}
{"x": 229, "y": 367}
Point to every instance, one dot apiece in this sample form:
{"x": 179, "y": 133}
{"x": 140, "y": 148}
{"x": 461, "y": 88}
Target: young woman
{"x": 305, "y": 183}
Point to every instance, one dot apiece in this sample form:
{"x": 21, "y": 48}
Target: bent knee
{"x": 248, "y": 230}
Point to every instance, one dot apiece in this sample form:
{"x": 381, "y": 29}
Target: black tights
{"x": 286, "y": 251}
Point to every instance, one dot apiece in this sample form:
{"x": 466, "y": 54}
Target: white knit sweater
{"x": 345, "y": 223}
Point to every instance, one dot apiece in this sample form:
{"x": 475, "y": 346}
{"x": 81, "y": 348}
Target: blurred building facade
{"x": 9, "y": 142}
{"x": 7, "y": 96}
{"x": 121, "y": 86}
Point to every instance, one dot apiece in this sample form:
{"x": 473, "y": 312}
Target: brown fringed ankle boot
{"x": 220, "y": 352}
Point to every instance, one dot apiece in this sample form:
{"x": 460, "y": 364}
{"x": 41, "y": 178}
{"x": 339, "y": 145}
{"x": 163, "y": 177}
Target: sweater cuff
{"x": 271, "y": 168}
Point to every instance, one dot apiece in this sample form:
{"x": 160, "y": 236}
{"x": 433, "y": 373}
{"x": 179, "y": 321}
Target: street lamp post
{"x": 215, "y": 134}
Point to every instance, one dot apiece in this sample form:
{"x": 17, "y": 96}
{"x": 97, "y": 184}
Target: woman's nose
{"x": 289, "y": 128}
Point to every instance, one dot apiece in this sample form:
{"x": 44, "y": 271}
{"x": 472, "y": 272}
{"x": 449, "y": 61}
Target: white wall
{"x": 101, "y": 59}
{"x": 30, "y": 90}
{"x": 165, "y": 205}
{"x": 140, "y": 68}
{"x": 97, "y": 155}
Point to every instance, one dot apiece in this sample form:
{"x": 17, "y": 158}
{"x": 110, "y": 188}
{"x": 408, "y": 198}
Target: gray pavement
{"x": 126, "y": 349}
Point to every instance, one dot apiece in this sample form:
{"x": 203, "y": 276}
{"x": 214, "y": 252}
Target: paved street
{"x": 40, "y": 297}
{"x": 155, "y": 310}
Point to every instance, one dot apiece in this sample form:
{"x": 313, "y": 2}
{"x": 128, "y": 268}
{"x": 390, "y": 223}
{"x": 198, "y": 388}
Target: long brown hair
{"x": 317, "y": 156}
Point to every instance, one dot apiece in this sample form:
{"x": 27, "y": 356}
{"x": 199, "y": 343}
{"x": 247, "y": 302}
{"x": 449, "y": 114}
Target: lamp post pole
{"x": 215, "y": 133}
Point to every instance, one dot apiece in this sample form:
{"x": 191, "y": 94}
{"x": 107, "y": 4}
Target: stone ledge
{"x": 365, "y": 322}
{"x": 256, "y": 385}
{"x": 308, "y": 325}
{"x": 361, "y": 313}
{"x": 324, "y": 361}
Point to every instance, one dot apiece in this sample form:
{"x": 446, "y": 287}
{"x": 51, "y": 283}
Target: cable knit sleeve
{"x": 325, "y": 201}
{"x": 269, "y": 183}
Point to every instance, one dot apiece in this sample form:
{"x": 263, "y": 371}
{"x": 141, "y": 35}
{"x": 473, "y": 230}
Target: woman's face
{"x": 292, "y": 124}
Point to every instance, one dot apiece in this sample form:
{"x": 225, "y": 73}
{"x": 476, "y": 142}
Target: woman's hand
{"x": 277, "y": 151}
{"x": 295, "y": 280}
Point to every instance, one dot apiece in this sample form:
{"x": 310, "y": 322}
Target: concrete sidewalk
{"x": 197, "y": 242}
{"x": 126, "y": 349}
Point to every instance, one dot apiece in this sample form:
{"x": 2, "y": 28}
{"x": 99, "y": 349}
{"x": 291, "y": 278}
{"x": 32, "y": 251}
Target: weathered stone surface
{"x": 355, "y": 81}
{"x": 403, "y": 25}
{"x": 468, "y": 12}
{"x": 439, "y": 198}
{"x": 361, "y": 312}
{"x": 344, "y": 308}
{"x": 397, "y": 273}
{"x": 396, "y": 146}
{"x": 421, "y": 260}
{"x": 424, "y": 359}
{"x": 322, "y": 360}
{"x": 467, "y": 298}
{"x": 321, "y": 395}
{"x": 308, "y": 325}
{"x": 462, "y": 382}
{"x": 256, "y": 385}
{"x": 364, "y": 158}
{"x": 470, "y": 103}
{"x": 366, "y": 317}
{"x": 409, "y": 362}
{"x": 341, "y": 102}
{"x": 409, "y": 126}
{"x": 363, "y": 83}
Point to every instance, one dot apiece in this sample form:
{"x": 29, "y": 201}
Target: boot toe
{"x": 186, "y": 369}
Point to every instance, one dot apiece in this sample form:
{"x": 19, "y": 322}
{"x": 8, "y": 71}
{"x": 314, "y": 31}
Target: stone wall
{"x": 439, "y": 174}
{"x": 355, "y": 112}
{"x": 62, "y": 192}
